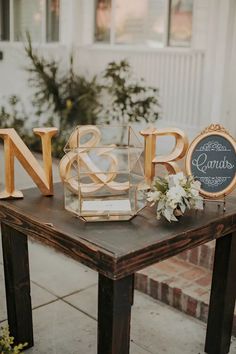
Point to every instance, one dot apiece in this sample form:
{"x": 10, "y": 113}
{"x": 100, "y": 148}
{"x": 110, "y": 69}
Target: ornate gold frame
{"x": 213, "y": 129}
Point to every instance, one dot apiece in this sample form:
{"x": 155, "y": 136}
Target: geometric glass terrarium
{"x": 102, "y": 172}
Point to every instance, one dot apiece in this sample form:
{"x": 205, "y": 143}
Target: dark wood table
{"x": 116, "y": 250}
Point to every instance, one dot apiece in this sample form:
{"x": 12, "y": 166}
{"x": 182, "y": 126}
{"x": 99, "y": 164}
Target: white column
{"x": 221, "y": 56}
{"x": 229, "y": 94}
{"x": 88, "y": 22}
{"x": 66, "y": 22}
{"x": 216, "y": 61}
{"x": 77, "y": 22}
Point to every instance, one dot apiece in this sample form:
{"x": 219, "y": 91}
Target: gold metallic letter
{"x": 181, "y": 145}
{"x": 15, "y": 147}
{"x": 79, "y": 153}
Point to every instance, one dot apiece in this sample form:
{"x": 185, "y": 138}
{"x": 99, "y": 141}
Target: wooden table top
{"x": 115, "y": 249}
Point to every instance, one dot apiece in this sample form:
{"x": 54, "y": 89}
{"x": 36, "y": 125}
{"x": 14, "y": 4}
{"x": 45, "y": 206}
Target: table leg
{"x": 222, "y": 301}
{"x": 17, "y": 281}
{"x": 115, "y": 298}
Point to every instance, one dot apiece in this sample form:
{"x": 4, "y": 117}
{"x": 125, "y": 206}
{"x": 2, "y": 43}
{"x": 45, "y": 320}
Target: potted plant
{"x": 126, "y": 99}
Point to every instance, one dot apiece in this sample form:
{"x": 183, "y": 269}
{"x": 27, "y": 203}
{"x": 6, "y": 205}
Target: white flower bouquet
{"x": 174, "y": 194}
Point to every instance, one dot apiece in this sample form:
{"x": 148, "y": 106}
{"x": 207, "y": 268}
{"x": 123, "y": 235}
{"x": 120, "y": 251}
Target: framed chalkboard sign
{"x": 211, "y": 159}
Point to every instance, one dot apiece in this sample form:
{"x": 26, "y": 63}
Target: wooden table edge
{"x": 111, "y": 265}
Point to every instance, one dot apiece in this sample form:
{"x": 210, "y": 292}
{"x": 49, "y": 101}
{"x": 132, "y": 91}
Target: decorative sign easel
{"x": 211, "y": 158}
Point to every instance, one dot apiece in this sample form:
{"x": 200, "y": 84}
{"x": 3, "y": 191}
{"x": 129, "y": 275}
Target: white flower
{"x": 177, "y": 179}
{"x": 167, "y": 213}
{"x": 172, "y": 203}
{"x": 153, "y": 196}
{"x": 175, "y": 196}
{"x": 161, "y": 204}
{"x": 196, "y": 185}
{"x": 194, "y": 192}
{"x": 182, "y": 207}
{"x": 176, "y": 193}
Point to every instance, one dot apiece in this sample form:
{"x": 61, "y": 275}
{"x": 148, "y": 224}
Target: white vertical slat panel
{"x": 191, "y": 86}
{"x": 180, "y": 68}
{"x": 198, "y": 88}
{"x": 160, "y": 77}
{"x": 195, "y": 110}
{"x": 182, "y": 79}
{"x": 177, "y": 74}
{"x": 174, "y": 85}
{"x": 187, "y": 118}
{"x": 166, "y": 88}
{"x": 169, "y": 88}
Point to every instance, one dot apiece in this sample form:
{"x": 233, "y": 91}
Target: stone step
{"x": 180, "y": 284}
{"x": 202, "y": 256}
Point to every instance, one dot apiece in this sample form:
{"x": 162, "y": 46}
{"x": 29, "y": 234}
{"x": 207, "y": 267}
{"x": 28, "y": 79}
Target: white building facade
{"x": 194, "y": 69}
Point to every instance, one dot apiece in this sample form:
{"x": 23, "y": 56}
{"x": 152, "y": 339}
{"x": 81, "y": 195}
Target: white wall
{"x": 229, "y": 89}
{"x": 219, "y": 74}
{"x": 177, "y": 73}
{"x": 193, "y": 82}
{"x": 13, "y": 76}
{"x": 200, "y": 23}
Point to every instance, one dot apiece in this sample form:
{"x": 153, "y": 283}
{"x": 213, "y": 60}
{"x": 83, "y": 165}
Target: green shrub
{"x": 129, "y": 99}
{"x": 69, "y": 99}
{"x": 66, "y": 100}
{"x": 7, "y": 343}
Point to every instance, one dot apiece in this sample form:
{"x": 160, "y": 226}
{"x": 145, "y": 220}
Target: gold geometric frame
{"x": 213, "y": 129}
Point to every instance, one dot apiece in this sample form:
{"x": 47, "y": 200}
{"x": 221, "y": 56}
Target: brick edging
{"x": 173, "y": 296}
{"x": 202, "y": 256}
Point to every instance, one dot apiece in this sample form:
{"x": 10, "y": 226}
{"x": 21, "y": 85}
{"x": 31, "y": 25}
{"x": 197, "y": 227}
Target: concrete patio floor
{"x": 64, "y": 296}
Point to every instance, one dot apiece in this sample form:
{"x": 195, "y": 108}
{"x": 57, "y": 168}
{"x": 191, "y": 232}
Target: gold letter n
{"x": 15, "y": 147}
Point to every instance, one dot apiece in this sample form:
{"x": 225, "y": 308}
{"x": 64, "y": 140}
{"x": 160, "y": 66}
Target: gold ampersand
{"x": 78, "y": 154}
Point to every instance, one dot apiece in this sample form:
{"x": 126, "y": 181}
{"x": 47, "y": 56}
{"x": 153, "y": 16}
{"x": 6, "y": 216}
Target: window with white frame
{"x": 38, "y": 17}
{"x": 155, "y": 23}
